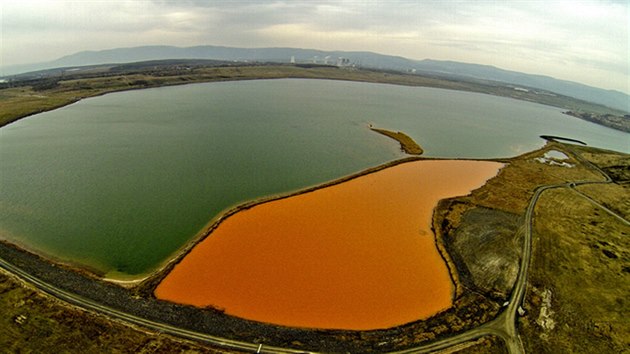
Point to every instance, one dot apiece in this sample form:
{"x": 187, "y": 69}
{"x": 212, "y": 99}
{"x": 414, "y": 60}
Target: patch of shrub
{"x": 45, "y": 84}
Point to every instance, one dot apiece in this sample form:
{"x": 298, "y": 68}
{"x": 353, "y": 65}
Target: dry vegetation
{"x": 407, "y": 144}
{"x": 32, "y": 322}
{"x": 580, "y": 278}
{"x": 580, "y": 274}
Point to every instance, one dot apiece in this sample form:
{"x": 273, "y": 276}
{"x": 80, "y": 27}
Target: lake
{"x": 119, "y": 183}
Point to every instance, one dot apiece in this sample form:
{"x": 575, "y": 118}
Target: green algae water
{"x": 119, "y": 183}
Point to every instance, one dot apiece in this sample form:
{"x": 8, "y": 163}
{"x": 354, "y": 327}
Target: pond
{"x": 356, "y": 255}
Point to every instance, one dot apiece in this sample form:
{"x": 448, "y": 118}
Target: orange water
{"x": 357, "y": 255}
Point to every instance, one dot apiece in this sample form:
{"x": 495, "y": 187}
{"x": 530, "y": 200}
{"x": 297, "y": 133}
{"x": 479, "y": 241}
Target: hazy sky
{"x": 584, "y": 41}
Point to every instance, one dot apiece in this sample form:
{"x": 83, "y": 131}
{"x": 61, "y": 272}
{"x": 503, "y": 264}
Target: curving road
{"x": 503, "y": 326}
{"x": 157, "y": 326}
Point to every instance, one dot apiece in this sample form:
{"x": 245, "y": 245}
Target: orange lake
{"x": 356, "y": 255}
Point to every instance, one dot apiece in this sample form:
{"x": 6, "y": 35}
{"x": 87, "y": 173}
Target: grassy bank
{"x": 33, "y": 322}
{"x": 577, "y": 285}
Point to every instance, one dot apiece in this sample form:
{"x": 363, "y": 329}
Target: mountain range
{"x": 611, "y": 98}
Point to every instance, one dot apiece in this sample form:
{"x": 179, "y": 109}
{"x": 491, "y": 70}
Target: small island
{"x": 407, "y": 144}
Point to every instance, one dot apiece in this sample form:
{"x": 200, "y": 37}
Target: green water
{"x": 118, "y": 183}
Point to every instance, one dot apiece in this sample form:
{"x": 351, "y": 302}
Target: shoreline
{"x": 408, "y": 224}
{"x": 125, "y": 89}
{"x": 142, "y": 280}
{"x": 71, "y": 89}
{"x": 148, "y": 284}
{"x": 143, "y": 287}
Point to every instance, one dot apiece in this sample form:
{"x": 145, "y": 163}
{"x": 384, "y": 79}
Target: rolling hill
{"x": 450, "y": 69}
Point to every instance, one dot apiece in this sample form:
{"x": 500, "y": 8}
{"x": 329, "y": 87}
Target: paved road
{"x": 160, "y": 327}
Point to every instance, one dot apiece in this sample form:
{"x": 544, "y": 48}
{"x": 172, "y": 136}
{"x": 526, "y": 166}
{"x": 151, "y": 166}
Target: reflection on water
{"x": 356, "y": 255}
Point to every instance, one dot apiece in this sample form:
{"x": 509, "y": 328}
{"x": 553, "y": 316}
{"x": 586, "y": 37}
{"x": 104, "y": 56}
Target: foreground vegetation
{"x": 30, "y": 95}
{"x": 33, "y": 322}
{"x": 580, "y": 276}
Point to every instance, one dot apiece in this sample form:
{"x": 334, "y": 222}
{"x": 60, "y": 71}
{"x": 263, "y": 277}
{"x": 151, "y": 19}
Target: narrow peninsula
{"x": 407, "y": 144}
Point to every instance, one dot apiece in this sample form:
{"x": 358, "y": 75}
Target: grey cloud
{"x": 558, "y": 32}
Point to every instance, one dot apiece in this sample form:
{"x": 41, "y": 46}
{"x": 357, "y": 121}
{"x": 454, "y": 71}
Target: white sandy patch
{"x": 555, "y": 158}
{"x": 544, "y": 317}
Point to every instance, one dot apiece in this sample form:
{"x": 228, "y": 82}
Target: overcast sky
{"x": 584, "y": 41}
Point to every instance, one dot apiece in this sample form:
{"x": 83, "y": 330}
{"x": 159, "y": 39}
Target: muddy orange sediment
{"x": 356, "y": 255}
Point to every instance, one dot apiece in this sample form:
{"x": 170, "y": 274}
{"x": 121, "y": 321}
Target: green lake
{"x": 118, "y": 183}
